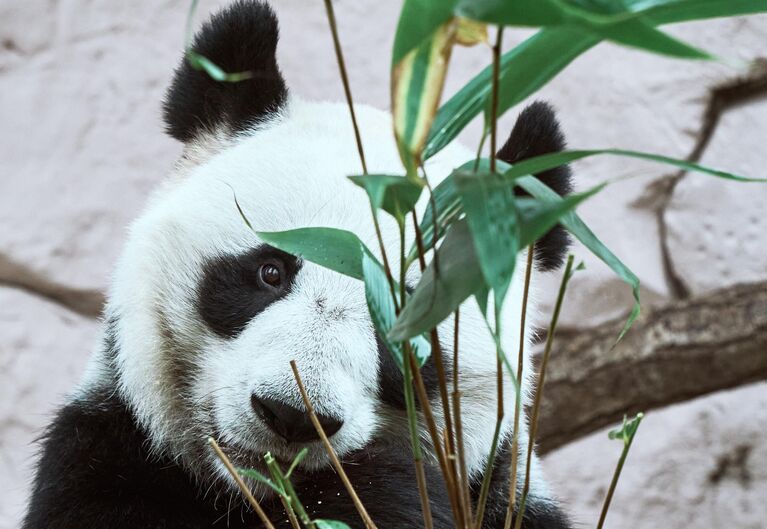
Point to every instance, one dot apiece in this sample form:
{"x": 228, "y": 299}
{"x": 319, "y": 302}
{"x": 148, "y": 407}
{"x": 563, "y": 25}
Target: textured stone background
{"x": 82, "y": 144}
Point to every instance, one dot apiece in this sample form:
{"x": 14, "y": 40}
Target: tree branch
{"x": 675, "y": 353}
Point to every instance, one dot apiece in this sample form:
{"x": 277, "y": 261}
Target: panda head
{"x": 204, "y": 318}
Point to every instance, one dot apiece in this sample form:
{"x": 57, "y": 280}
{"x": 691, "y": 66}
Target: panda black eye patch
{"x": 236, "y": 288}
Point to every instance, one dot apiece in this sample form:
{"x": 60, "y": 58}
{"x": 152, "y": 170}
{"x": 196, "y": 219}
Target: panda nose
{"x": 290, "y": 423}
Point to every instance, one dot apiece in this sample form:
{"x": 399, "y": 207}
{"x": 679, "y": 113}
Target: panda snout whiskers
{"x": 292, "y": 424}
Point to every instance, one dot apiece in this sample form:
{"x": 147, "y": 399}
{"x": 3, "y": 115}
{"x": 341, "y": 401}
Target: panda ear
{"x": 242, "y": 37}
{"x": 537, "y": 132}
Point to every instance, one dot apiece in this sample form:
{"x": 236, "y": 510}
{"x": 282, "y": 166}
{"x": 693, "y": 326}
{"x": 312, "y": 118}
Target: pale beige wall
{"x": 81, "y": 145}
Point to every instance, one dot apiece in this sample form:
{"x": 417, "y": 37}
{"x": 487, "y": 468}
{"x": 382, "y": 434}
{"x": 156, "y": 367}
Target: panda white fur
{"x": 202, "y": 320}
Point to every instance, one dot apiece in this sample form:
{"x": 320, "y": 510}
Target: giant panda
{"x": 202, "y": 320}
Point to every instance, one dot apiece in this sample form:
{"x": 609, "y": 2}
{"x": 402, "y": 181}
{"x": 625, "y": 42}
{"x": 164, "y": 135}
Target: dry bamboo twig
{"x": 440, "y": 452}
{"x": 482, "y": 500}
{"x": 517, "y": 406}
{"x": 241, "y": 484}
{"x": 540, "y": 385}
{"x": 331, "y": 452}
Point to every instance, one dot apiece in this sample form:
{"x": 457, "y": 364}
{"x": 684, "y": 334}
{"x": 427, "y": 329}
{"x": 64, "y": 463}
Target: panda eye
{"x": 270, "y": 274}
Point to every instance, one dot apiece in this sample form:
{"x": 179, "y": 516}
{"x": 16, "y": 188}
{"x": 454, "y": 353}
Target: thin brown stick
{"x": 415, "y": 441}
{"x": 449, "y": 470}
{"x": 419, "y": 241}
{"x": 290, "y": 513}
{"x": 331, "y": 452}
{"x": 345, "y": 80}
{"x": 517, "y": 407}
{"x": 241, "y": 484}
{"x": 494, "y": 100}
{"x": 357, "y": 136}
{"x": 463, "y": 472}
{"x": 498, "y": 362}
{"x": 462, "y": 477}
{"x": 440, "y": 452}
{"x": 540, "y": 385}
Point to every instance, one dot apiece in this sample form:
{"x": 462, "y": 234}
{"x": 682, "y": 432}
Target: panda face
{"x": 209, "y": 317}
{"x": 204, "y": 317}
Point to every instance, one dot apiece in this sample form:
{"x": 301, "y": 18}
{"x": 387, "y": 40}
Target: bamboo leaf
{"x": 523, "y": 70}
{"x": 418, "y": 21}
{"x": 330, "y": 524}
{"x": 258, "y": 476}
{"x": 417, "y": 82}
{"x": 548, "y": 161}
{"x": 670, "y": 11}
{"x": 397, "y": 195}
{"x": 583, "y": 233}
{"x": 470, "y": 32}
{"x": 492, "y": 215}
{"x": 437, "y": 295}
{"x": 338, "y": 250}
{"x": 532, "y": 64}
{"x": 202, "y": 63}
{"x": 383, "y": 312}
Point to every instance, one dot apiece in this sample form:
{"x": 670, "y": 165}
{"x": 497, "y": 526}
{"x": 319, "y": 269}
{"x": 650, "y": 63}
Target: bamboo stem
{"x": 331, "y": 452}
{"x": 241, "y": 484}
{"x": 518, "y": 405}
{"x": 540, "y": 385}
{"x": 294, "y": 505}
{"x": 415, "y": 441}
{"x": 617, "y": 475}
{"x": 485, "y": 489}
{"x": 442, "y": 454}
{"x": 345, "y": 80}
{"x": 357, "y": 136}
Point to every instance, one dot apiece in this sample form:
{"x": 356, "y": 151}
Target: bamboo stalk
{"x": 617, "y": 473}
{"x": 241, "y": 484}
{"x": 518, "y": 405}
{"x": 345, "y": 80}
{"x": 442, "y": 454}
{"x": 463, "y": 472}
{"x": 357, "y": 136}
{"x": 331, "y": 452}
{"x": 485, "y": 489}
{"x": 540, "y": 385}
{"x": 415, "y": 441}
{"x": 294, "y": 505}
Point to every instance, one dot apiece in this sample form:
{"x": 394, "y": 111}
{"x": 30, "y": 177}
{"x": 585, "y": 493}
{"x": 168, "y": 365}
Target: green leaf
{"x": 397, "y": 195}
{"x": 637, "y": 33}
{"x": 416, "y": 88}
{"x": 670, "y": 11}
{"x": 583, "y": 233}
{"x": 548, "y": 161}
{"x": 536, "y": 61}
{"x": 537, "y": 216}
{"x": 296, "y": 460}
{"x": 611, "y": 21}
{"x": 330, "y": 524}
{"x": 258, "y": 476}
{"x": 418, "y": 21}
{"x": 202, "y": 63}
{"x": 338, "y": 250}
{"x": 448, "y": 206}
{"x": 383, "y": 312}
{"x": 437, "y": 296}
{"x": 517, "y": 13}
{"x": 523, "y": 70}
{"x": 628, "y": 429}
{"x": 491, "y": 212}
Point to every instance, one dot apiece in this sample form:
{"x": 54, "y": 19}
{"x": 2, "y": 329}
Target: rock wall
{"x": 82, "y": 144}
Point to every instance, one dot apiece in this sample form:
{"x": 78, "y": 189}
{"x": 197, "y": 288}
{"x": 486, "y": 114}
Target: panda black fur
{"x": 197, "y": 337}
